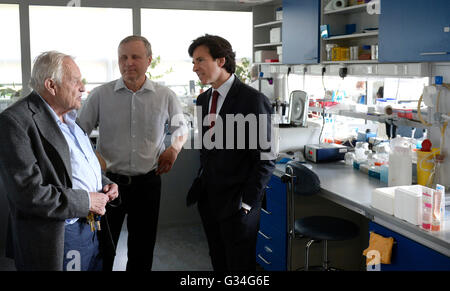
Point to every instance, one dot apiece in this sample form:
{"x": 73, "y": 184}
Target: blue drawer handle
{"x": 263, "y": 235}
{"x": 264, "y": 260}
{"x": 434, "y": 54}
{"x": 266, "y": 212}
{"x": 267, "y": 249}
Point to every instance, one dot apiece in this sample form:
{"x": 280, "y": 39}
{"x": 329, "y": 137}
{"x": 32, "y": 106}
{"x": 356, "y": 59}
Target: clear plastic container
{"x": 400, "y": 163}
{"x": 439, "y": 174}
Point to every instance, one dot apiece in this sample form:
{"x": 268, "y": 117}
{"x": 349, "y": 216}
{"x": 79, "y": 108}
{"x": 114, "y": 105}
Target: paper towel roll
{"x": 336, "y": 4}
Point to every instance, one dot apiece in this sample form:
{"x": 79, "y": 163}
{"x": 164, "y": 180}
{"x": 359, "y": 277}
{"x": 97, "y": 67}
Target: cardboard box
{"x": 275, "y": 34}
{"x": 261, "y": 56}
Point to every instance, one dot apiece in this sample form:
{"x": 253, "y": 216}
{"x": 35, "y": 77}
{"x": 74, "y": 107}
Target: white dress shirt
{"x": 132, "y": 124}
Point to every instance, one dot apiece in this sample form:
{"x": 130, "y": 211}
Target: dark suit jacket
{"x": 229, "y": 176}
{"x": 37, "y": 176}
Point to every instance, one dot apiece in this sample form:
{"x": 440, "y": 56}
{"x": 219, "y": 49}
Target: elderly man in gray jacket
{"x": 52, "y": 178}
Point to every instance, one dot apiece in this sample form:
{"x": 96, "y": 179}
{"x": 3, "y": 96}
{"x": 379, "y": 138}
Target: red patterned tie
{"x": 214, "y": 108}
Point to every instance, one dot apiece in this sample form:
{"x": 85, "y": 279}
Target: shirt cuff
{"x": 245, "y": 206}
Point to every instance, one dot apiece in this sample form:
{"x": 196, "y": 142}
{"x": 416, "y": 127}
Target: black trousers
{"x": 232, "y": 241}
{"x": 140, "y": 197}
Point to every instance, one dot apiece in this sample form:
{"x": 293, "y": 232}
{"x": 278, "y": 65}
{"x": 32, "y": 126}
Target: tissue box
{"x": 383, "y": 199}
{"x": 407, "y": 202}
{"x": 275, "y": 34}
{"x": 261, "y": 56}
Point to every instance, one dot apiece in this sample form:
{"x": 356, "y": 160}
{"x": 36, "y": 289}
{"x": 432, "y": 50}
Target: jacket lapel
{"x": 50, "y": 130}
{"x": 230, "y": 99}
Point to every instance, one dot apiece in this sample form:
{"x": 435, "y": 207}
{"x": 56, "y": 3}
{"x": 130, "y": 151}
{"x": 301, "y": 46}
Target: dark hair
{"x": 218, "y": 48}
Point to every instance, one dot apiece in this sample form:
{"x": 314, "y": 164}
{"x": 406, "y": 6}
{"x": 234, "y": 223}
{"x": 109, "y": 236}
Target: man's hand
{"x": 98, "y": 202}
{"x": 112, "y": 191}
{"x": 168, "y": 157}
{"x": 166, "y": 160}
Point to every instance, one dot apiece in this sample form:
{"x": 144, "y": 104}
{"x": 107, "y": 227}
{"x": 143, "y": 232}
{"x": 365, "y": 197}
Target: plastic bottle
{"x": 400, "y": 163}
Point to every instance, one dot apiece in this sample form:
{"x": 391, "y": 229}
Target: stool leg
{"x": 325, "y": 255}
{"x": 307, "y": 254}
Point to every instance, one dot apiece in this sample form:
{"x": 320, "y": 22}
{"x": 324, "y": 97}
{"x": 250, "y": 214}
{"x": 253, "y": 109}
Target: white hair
{"x": 47, "y": 65}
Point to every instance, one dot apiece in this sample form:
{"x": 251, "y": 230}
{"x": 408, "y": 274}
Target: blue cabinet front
{"x": 408, "y": 255}
{"x": 300, "y": 33}
{"x": 414, "y": 31}
{"x": 271, "y": 246}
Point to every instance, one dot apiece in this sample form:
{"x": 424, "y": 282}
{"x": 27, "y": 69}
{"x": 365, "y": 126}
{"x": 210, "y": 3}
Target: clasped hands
{"x": 99, "y": 200}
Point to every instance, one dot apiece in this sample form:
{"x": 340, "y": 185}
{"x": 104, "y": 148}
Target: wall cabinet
{"x": 414, "y": 31}
{"x": 266, "y": 23}
{"x": 271, "y": 246}
{"x": 301, "y": 21}
{"x": 350, "y": 26}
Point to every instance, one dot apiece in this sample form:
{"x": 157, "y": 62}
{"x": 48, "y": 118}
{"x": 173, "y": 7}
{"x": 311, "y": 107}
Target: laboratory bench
{"x": 415, "y": 248}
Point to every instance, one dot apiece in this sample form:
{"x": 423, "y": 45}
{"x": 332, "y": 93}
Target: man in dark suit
{"x": 50, "y": 173}
{"x": 235, "y": 165}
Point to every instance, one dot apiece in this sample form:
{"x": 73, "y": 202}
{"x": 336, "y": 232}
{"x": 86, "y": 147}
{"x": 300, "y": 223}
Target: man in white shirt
{"x": 131, "y": 114}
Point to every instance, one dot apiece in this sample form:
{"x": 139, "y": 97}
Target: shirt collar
{"x": 148, "y": 85}
{"x": 69, "y": 117}
{"x": 225, "y": 87}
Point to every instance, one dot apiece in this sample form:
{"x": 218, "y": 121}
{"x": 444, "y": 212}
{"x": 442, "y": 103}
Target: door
{"x": 414, "y": 31}
{"x": 301, "y": 22}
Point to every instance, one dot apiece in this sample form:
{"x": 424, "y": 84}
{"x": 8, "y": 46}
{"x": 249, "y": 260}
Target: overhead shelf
{"x": 349, "y": 9}
{"x": 353, "y": 35}
{"x": 351, "y": 62}
{"x": 268, "y": 44}
{"x": 269, "y": 24}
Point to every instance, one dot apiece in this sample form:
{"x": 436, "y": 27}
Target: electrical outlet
{"x": 447, "y": 29}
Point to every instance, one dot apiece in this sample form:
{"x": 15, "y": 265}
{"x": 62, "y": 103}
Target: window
{"x": 10, "y": 63}
{"x": 170, "y": 33}
{"x": 91, "y": 35}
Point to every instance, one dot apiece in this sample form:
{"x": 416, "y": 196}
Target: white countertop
{"x": 352, "y": 189}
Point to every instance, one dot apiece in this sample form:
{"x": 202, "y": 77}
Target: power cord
{"x": 323, "y": 105}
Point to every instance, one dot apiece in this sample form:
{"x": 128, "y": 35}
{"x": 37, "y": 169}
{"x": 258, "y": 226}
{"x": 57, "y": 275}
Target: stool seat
{"x": 326, "y": 228}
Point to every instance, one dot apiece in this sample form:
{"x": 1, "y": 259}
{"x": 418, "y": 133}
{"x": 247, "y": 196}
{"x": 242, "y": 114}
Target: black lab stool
{"x": 302, "y": 181}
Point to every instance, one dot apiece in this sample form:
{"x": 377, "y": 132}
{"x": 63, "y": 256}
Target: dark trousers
{"x": 140, "y": 197}
{"x": 81, "y": 251}
{"x": 232, "y": 241}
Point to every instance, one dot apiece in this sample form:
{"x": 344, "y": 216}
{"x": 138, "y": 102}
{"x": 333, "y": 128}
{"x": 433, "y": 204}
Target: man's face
{"x": 207, "y": 69}
{"x": 69, "y": 92}
{"x": 133, "y": 61}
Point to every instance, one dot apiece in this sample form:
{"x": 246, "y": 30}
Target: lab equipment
{"x": 427, "y": 202}
{"x": 325, "y": 152}
{"x": 438, "y": 213}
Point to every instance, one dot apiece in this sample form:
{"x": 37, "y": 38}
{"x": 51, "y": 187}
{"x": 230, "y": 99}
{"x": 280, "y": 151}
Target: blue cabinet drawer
{"x": 275, "y": 195}
{"x": 271, "y": 250}
{"x": 275, "y": 219}
{"x": 408, "y": 255}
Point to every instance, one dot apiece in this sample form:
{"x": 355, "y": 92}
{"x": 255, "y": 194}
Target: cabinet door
{"x": 408, "y": 255}
{"x": 301, "y": 25}
{"x": 414, "y": 31}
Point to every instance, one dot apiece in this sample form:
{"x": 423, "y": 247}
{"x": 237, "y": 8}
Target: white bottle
{"x": 400, "y": 163}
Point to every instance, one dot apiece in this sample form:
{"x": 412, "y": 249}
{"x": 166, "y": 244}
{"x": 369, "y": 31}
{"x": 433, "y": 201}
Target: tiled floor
{"x": 178, "y": 248}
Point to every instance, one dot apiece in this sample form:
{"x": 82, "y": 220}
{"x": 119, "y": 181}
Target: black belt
{"x": 128, "y": 180}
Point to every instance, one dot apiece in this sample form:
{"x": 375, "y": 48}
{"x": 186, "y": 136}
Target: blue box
{"x": 350, "y": 28}
{"x": 324, "y": 31}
